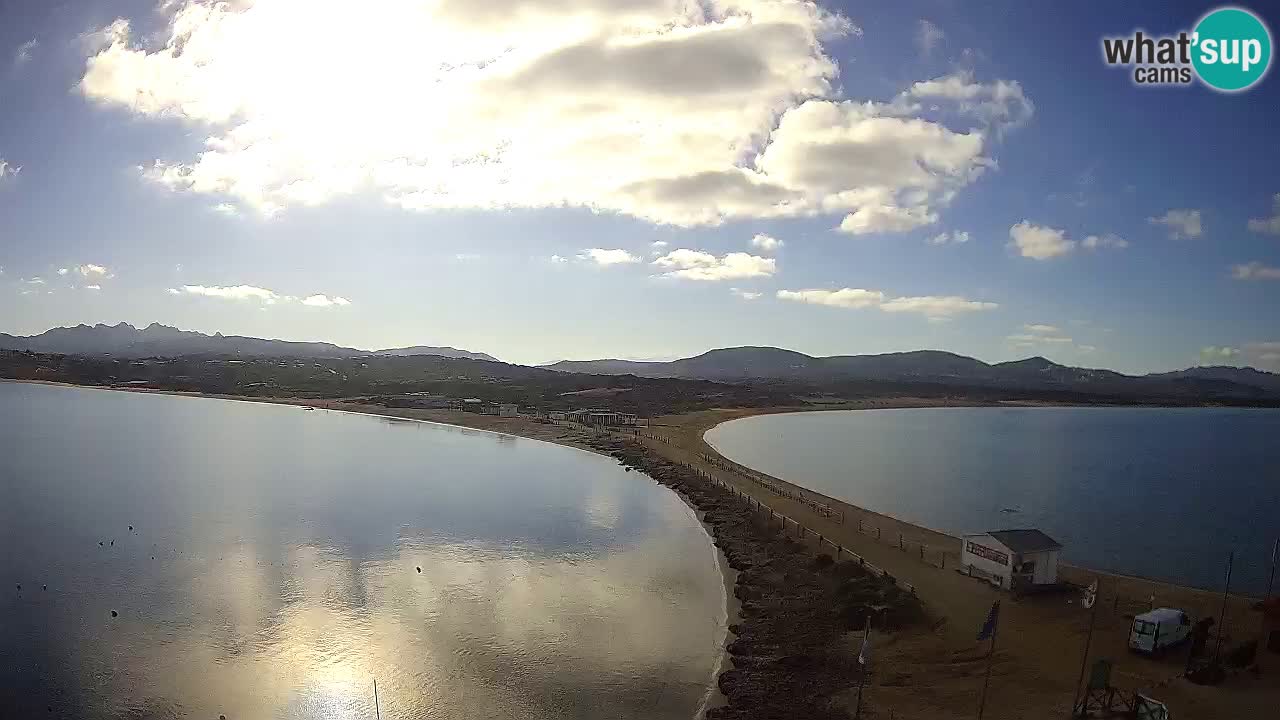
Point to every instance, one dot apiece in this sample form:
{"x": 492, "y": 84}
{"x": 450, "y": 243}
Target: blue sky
{"x": 338, "y": 172}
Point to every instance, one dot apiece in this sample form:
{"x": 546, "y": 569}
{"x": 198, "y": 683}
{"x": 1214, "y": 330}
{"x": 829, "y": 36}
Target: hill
{"x": 156, "y": 340}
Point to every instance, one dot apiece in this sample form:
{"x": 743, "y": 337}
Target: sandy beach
{"x": 935, "y": 670}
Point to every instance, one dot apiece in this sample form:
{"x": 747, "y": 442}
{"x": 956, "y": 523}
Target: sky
{"x": 643, "y": 179}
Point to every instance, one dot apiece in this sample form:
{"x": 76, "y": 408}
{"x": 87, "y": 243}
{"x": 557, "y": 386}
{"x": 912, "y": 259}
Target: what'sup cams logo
{"x": 1229, "y": 50}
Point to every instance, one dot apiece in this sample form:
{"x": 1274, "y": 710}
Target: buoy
{"x": 19, "y": 587}
{"x": 44, "y": 587}
{"x": 419, "y": 569}
{"x": 115, "y": 614}
{"x": 113, "y": 543}
{"x": 131, "y": 528}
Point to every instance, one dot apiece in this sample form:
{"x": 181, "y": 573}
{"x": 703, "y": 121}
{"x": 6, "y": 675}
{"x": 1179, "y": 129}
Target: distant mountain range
{"x": 156, "y": 340}
{"x": 936, "y": 367}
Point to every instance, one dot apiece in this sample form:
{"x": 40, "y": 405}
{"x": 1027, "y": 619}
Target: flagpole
{"x": 863, "y": 662}
{"x": 1271, "y": 580}
{"x": 991, "y": 654}
{"x": 1222, "y": 620}
{"x": 1088, "y": 640}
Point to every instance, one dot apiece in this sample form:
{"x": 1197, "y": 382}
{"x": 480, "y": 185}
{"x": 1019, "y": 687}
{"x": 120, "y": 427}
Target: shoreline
{"x": 923, "y": 669}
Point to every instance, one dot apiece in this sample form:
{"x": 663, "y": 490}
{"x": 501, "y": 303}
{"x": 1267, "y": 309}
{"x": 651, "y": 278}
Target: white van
{"x": 1153, "y": 631}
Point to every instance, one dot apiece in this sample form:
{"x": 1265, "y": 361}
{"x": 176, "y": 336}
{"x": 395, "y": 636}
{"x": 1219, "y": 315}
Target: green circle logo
{"x": 1231, "y": 49}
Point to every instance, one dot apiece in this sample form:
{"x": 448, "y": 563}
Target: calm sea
{"x": 1161, "y": 493}
{"x": 281, "y": 560}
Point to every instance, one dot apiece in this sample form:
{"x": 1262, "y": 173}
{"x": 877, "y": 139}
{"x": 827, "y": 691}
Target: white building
{"x": 1013, "y": 559}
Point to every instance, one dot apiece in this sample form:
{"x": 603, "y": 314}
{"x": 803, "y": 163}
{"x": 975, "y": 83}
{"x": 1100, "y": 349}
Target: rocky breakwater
{"x": 795, "y": 647}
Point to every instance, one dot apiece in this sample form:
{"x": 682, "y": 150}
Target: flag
{"x": 989, "y": 627}
{"x": 864, "y": 655}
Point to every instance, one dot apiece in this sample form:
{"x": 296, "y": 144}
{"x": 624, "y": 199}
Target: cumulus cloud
{"x": 603, "y": 257}
{"x": 955, "y": 237}
{"x": 670, "y": 111}
{"x": 325, "y": 301}
{"x": 746, "y": 294}
{"x": 236, "y": 292}
{"x": 931, "y": 306}
{"x": 91, "y": 270}
{"x": 1271, "y": 224}
{"x": 1182, "y": 223}
{"x": 558, "y": 259}
{"x": 1214, "y": 355}
{"x": 928, "y": 35}
{"x": 261, "y": 295}
{"x": 766, "y": 243}
{"x": 1255, "y": 271}
{"x": 856, "y": 298}
{"x": 699, "y": 265}
{"x": 1039, "y": 242}
{"x": 1108, "y": 240}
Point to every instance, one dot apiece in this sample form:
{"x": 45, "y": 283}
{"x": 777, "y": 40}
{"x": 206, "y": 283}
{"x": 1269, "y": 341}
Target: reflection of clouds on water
{"x": 479, "y": 633}
{"x": 553, "y": 585}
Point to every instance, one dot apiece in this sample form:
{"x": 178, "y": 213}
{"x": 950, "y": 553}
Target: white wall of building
{"x": 982, "y": 552}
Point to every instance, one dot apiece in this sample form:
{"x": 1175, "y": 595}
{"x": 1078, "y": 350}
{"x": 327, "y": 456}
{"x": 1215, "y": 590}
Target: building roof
{"x": 1026, "y": 541}
{"x": 1161, "y": 615}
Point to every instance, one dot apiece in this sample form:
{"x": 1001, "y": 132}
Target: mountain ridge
{"x": 933, "y": 366}
{"x": 155, "y": 340}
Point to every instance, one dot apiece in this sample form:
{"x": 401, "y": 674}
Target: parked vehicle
{"x": 1158, "y": 629}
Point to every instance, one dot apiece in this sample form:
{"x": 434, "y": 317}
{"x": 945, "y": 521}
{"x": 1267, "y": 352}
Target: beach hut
{"x": 1018, "y": 560}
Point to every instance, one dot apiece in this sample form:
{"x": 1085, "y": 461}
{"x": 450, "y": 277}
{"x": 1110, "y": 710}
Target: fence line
{"x": 801, "y": 529}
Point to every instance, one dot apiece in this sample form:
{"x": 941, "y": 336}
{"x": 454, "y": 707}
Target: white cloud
{"x": 676, "y": 112}
{"x": 856, "y": 298}
{"x": 1107, "y": 240}
{"x": 1213, "y": 355}
{"x": 325, "y": 301}
{"x": 23, "y": 54}
{"x": 261, "y": 295}
{"x": 1182, "y": 223}
{"x": 1271, "y": 224}
{"x": 1032, "y": 339}
{"x": 227, "y": 209}
{"x": 935, "y": 307}
{"x": 698, "y": 265}
{"x": 34, "y": 281}
{"x": 601, "y": 256}
{"x": 1039, "y": 242}
{"x": 63, "y": 271}
{"x": 1255, "y": 271}
{"x": 956, "y": 237}
{"x": 1041, "y": 329}
{"x": 91, "y": 270}
{"x": 559, "y": 259}
{"x": 236, "y": 292}
{"x": 746, "y": 294}
{"x": 928, "y": 35}
{"x": 92, "y": 287}
{"x": 7, "y": 170}
{"x": 766, "y": 243}
{"x": 1001, "y": 103}
{"x": 1262, "y": 355}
